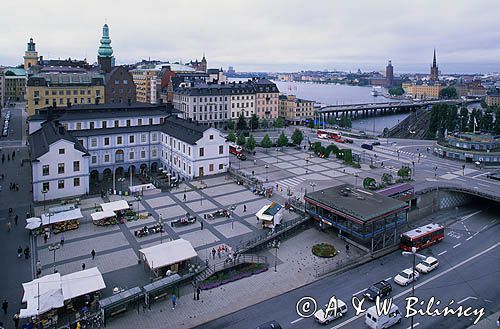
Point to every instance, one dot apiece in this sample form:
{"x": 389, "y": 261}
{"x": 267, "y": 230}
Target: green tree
{"x": 242, "y": 123}
{"x": 231, "y": 137}
{"x": 279, "y": 122}
{"x": 297, "y": 137}
{"x": 264, "y": 123}
{"x": 250, "y": 144}
{"x": 241, "y": 139}
{"x": 345, "y": 121}
{"x": 266, "y": 142}
{"x": 315, "y": 147}
{"x": 396, "y": 91}
{"x": 448, "y": 92}
{"x": 463, "y": 119}
{"x": 347, "y": 155}
{"x": 282, "y": 140}
{"x": 486, "y": 122}
{"x": 332, "y": 148}
{"x": 310, "y": 124}
{"x": 404, "y": 173}
{"x": 254, "y": 121}
{"x": 369, "y": 183}
{"x": 386, "y": 179}
{"x": 230, "y": 124}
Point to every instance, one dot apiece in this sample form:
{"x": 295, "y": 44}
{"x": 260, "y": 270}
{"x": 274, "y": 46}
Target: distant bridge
{"x": 372, "y": 109}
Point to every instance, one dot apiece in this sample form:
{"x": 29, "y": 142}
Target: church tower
{"x": 434, "y": 69}
{"x": 30, "y": 55}
{"x": 105, "y": 53}
{"x": 203, "y": 65}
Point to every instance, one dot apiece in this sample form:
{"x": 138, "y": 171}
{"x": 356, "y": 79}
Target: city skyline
{"x": 280, "y": 36}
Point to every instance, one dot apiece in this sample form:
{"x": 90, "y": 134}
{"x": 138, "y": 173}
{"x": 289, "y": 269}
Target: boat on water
{"x": 377, "y": 91}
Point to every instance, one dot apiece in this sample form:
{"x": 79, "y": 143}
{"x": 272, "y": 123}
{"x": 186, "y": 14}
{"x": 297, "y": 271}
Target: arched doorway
{"x": 94, "y": 176}
{"x": 143, "y": 168}
{"x": 154, "y": 166}
{"x": 107, "y": 174}
{"x": 119, "y": 171}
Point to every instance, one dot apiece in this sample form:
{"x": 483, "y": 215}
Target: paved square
{"x": 285, "y": 165}
{"x": 316, "y": 177}
{"x": 287, "y": 157}
{"x": 332, "y": 165}
{"x": 350, "y": 170}
{"x": 171, "y": 212}
{"x": 162, "y": 201}
{"x": 200, "y": 237}
{"x": 448, "y": 176}
{"x": 298, "y": 171}
{"x": 332, "y": 173}
{"x": 223, "y": 189}
{"x": 200, "y": 205}
{"x": 232, "y": 229}
{"x": 317, "y": 168}
{"x": 235, "y": 198}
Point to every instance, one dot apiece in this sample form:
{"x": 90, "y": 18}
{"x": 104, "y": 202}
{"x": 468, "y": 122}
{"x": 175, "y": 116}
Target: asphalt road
{"x": 468, "y": 274}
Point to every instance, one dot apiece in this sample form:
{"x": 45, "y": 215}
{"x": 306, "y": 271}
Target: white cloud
{"x": 261, "y": 34}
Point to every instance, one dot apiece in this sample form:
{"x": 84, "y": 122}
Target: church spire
{"x": 434, "y": 59}
{"x": 105, "y": 49}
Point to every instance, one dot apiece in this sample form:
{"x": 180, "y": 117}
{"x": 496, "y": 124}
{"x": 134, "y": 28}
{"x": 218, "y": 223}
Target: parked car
{"x": 350, "y": 141}
{"x": 376, "y": 321}
{"x": 379, "y": 289}
{"x": 493, "y": 175}
{"x": 241, "y": 156}
{"x": 428, "y": 265}
{"x": 376, "y": 143}
{"x": 270, "y": 325}
{"x": 324, "y": 318}
{"x": 367, "y": 146}
{"x": 406, "y": 276}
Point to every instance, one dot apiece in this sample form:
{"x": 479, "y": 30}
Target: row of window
{"x": 60, "y": 168}
{"x": 60, "y": 184}
{"x": 120, "y": 156}
{"x": 104, "y": 124}
{"x": 64, "y": 101}
{"x": 119, "y": 139}
{"x": 68, "y": 92}
{"x": 242, "y": 105}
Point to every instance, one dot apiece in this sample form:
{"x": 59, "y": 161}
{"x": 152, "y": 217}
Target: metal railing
{"x": 229, "y": 263}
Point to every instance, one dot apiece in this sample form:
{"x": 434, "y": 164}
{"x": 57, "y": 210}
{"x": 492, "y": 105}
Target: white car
{"x": 406, "y": 277}
{"x": 429, "y": 264}
{"x": 321, "y": 317}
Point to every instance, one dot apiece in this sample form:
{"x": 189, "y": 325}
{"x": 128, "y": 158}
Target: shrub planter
{"x": 324, "y": 250}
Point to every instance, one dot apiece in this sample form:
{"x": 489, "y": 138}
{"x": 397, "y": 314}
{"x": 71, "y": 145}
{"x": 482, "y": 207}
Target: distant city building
{"x": 199, "y": 66}
{"x": 216, "y": 76}
{"x": 295, "y": 110}
{"x": 30, "y": 55}
{"x": 62, "y": 89}
{"x": 470, "y": 89}
{"x": 267, "y": 99}
{"x": 434, "y": 69}
{"x": 493, "y": 99}
{"x": 2, "y": 84}
{"x": 142, "y": 79}
{"x": 119, "y": 86}
{"x": 13, "y": 82}
{"x": 479, "y": 147}
{"x": 420, "y": 90}
{"x": 230, "y": 70}
{"x": 174, "y": 75}
{"x": 105, "y": 57}
{"x": 74, "y": 147}
{"x": 389, "y": 74}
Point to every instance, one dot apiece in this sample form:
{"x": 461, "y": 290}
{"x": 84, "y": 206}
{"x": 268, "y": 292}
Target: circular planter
{"x": 324, "y": 250}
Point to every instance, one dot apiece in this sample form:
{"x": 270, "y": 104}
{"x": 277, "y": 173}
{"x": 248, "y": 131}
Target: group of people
{"x": 25, "y": 251}
{"x": 220, "y": 250}
{"x": 8, "y": 156}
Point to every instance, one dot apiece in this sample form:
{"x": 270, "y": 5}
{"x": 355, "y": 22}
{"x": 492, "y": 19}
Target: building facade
{"x": 267, "y": 99}
{"x": 423, "y": 90}
{"x": 2, "y": 84}
{"x": 434, "y": 76}
{"x": 14, "y": 85}
{"x": 119, "y": 86}
{"x": 105, "y": 57}
{"x": 112, "y": 140}
{"x": 493, "y": 99}
{"x": 468, "y": 147}
{"x": 30, "y": 55}
{"x": 63, "y": 89}
{"x": 295, "y": 110}
{"x": 200, "y": 66}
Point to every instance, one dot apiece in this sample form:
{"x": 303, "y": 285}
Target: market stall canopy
{"x": 81, "y": 283}
{"x": 102, "y": 215}
{"x": 33, "y": 223}
{"x": 61, "y": 216}
{"x": 142, "y": 187}
{"x": 168, "y": 253}
{"x": 115, "y": 206}
{"x": 42, "y": 295}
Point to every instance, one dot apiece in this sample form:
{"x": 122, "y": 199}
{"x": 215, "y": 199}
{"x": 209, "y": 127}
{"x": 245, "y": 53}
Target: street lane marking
{"x": 414, "y": 325}
{"x": 442, "y": 252}
{"x": 463, "y": 300}
{"x": 388, "y": 278}
{"x": 425, "y": 282}
{"x": 458, "y": 244}
{"x": 480, "y": 175}
{"x": 469, "y": 238}
{"x": 295, "y": 321}
{"x": 358, "y": 292}
{"x": 484, "y": 227}
{"x": 484, "y": 185}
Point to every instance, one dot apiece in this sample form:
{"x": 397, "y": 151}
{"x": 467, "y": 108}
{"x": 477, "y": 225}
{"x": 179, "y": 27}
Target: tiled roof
{"x": 185, "y": 130}
{"x": 49, "y": 133}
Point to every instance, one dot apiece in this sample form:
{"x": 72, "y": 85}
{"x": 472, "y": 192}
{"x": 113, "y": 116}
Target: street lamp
{"x": 160, "y": 221}
{"x": 277, "y": 154}
{"x": 276, "y": 245}
{"x": 44, "y": 191}
{"x": 307, "y": 165}
{"x": 138, "y": 199}
{"x": 121, "y": 180}
{"x": 201, "y": 194}
{"x": 267, "y": 167}
{"x": 414, "y": 254}
{"x": 53, "y": 248}
{"x": 313, "y": 185}
{"x": 356, "y": 176}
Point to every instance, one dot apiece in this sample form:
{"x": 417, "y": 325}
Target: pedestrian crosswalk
{"x": 290, "y": 183}
{"x": 402, "y": 152}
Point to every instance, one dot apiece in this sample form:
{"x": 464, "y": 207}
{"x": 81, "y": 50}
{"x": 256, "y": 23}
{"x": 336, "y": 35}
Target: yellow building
{"x": 142, "y": 79}
{"x": 295, "y": 110}
{"x": 61, "y": 89}
{"x": 493, "y": 99}
{"x": 423, "y": 91}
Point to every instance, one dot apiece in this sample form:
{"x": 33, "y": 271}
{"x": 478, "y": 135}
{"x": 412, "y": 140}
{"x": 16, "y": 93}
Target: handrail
{"x": 227, "y": 263}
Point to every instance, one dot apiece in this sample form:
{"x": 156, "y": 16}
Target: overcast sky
{"x": 263, "y": 35}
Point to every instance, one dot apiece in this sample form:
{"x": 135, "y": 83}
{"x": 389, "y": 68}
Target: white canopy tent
{"x": 33, "y": 223}
{"x": 115, "y": 206}
{"x": 168, "y": 253}
{"x": 61, "y": 216}
{"x": 51, "y": 291}
{"x": 102, "y": 215}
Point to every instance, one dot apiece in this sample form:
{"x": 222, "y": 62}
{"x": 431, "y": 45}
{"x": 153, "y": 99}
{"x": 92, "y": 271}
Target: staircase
{"x": 228, "y": 263}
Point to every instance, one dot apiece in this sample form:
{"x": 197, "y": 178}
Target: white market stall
{"x": 271, "y": 215}
{"x": 33, "y": 223}
{"x": 51, "y": 291}
{"x": 140, "y": 188}
{"x": 102, "y": 218}
{"x": 171, "y": 255}
{"x": 62, "y": 221}
{"x": 115, "y": 205}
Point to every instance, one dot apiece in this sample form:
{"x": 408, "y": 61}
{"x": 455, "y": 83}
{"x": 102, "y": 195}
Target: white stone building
{"x": 114, "y": 140}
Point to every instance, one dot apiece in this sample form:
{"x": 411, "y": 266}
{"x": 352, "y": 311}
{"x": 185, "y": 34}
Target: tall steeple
{"x": 105, "y": 53}
{"x": 434, "y": 69}
{"x": 30, "y": 55}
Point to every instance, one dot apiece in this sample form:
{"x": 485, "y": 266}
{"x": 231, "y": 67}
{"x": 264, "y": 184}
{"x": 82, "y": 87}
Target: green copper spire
{"x": 105, "y": 49}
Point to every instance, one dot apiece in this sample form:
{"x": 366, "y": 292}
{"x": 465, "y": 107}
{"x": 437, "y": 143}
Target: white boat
{"x": 377, "y": 91}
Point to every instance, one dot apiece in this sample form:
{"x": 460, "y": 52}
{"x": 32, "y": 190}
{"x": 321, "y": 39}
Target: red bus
{"x": 235, "y": 149}
{"x": 422, "y": 237}
{"x": 327, "y": 133}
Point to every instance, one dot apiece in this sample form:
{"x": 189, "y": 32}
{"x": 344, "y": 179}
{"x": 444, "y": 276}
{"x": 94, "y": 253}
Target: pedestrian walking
{"x": 347, "y": 248}
{"x": 174, "y": 301}
{"x": 5, "y": 306}
{"x": 254, "y": 162}
{"x": 15, "y": 219}
{"x": 38, "y": 268}
{"x": 9, "y": 226}
{"x": 218, "y": 252}
{"x": 26, "y": 252}
{"x": 184, "y": 197}
{"x": 244, "y": 208}
{"x": 198, "y": 291}
{"x": 45, "y": 237}
{"x": 83, "y": 266}
{"x": 201, "y": 223}
{"x": 62, "y": 240}
{"x": 19, "y": 252}
{"x": 16, "y": 320}
{"x": 213, "y": 253}
{"x": 13, "y": 154}
{"x": 93, "y": 254}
